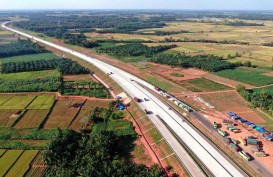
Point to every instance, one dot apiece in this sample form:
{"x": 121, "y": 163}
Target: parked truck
{"x": 252, "y": 141}
{"x": 227, "y": 140}
{"x": 226, "y": 122}
{"x": 260, "y": 154}
{"x": 234, "y": 141}
{"x": 254, "y": 149}
{"x": 215, "y": 124}
{"x": 234, "y": 147}
{"x": 244, "y": 155}
{"x": 242, "y": 141}
{"x": 222, "y": 132}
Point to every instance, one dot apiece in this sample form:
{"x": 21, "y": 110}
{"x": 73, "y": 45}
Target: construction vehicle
{"x": 137, "y": 99}
{"x": 227, "y": 140}
{"x": 242, "y": 141}
{"x": 252, "y": 141}
{"x": 260, "y": 154}
{"x": 234, "y": 147}
{"x": 222, "y": 132}
{"x": 244, "y": 155}
{"x": 215, "y": 125}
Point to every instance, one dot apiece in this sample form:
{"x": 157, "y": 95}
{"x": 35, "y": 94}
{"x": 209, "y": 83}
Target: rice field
{"x": 32, "y": 57}
{"x": 32, "y": 119}
{"x": 8, "y": 159}
{"x": 63, "y": 113}
{"x": 8, "y": 117}
{"x": 42, "y": 102}
{"x": 22, "y": 165}
{"x": 16, "y": 102}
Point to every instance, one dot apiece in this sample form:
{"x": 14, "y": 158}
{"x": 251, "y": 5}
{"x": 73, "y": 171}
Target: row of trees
{"x": 134, "y": 49}
{"x": 63, "y": 65}
{"x": 73, "y": 154}
{"x": 20, "y": 47}
{"x": 48, "y": 84}
{"x": 210, "y": 63}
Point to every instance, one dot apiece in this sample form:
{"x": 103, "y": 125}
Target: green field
{"x": 22, "y": 165}
{"x": 203, "y": 85}
{"x": 121, "y": 127}
{"x": 32, "y": 57}
{"x": 8, "y": 159}
{"x": 29, "y": 75}
{"x": 269, "y": 89}
{"x": 252, "y": 76}
{"x": 17, "y": 102}
{"x": 42, "y": 102}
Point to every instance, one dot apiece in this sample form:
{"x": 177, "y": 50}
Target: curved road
{"x": 208, "y": 155}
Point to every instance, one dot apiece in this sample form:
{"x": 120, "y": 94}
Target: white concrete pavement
{"x": 208, "y": 155}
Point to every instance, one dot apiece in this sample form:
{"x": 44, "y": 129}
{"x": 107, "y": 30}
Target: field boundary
{"x": 76, "y": 114}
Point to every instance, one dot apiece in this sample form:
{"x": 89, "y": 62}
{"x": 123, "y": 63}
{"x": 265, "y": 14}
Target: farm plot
{"x": 8, "y": 159}
{"x": 8, "y": 117}
{"x": 2, "y": 151}
{"x": 42, "y": 102}
{"x": 253, "y": 76}
{"x": 32, "y": 119}
{"x": 203, "y": 85}
{"x": 17, "y": 102}
{"x": 85, "y": 110}
{"x": 32, "y": 57}
{"x": 22, "y": 165}
{"x": 5, "y": 98}
{"x": 38, "y": 167}
{"x": 63, "y": 113}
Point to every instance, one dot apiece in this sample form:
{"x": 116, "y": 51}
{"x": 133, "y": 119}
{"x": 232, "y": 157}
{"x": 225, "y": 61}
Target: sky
{"x": 139, "y": 4}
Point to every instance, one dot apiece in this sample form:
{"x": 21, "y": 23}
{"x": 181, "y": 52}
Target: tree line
{"x": 210, "y": 63}
{"x": 63, "y": 65}
{"x": 20, "y": 47}
{"x": 134, "y": 49}
{"x": 262, "y": 99}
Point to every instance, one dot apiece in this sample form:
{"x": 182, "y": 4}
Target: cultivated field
{"x": 42, "y": 102}
{"x": 32, "y": 57}
{"x": 32, "y": 119}
{"x": 29, "y": 75}
{"x": 16, "y": 102}
{"x": 8, "y": 159}
{"x": 63, "y": 113}
{"x": 253, "y": 76}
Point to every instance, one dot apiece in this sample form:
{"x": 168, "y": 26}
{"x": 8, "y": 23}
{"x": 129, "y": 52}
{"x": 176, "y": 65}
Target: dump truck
{"x": 254, "y": 149}
{"x": 136, "y": 99}
{"x": 222, "y": 132}
{"x": 242, "y": 141}
{"x": 234, "y": 141}
{"x": 225, "y": 122}
{"x": 244, "y": 155}
{"x": 260, "y": 154}
{"x": 227, "y": 140}
{"x": 234, "y": 147}
{"x": 251, "y": 141}
{"x": 215, "y": 125}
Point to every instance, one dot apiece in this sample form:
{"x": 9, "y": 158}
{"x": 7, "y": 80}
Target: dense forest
{"x": 64, "y": 66}
{"x": 205, "y": 62}
{"x": 20, "y": 47}
{"x": 134, "y": 49}
{"x": 98, "y": 154}
{"x": 262, "y": 99}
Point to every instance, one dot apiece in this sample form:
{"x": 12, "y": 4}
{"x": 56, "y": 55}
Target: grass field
{"x": 121, "y": 127}
{"x": 16, "y": 102}
{"x": 63, "y": 113}
{"x": 42, "y": 102}
{"x": 29, "y": 75}
{"x": 203, "y": 85}
{"x": 32, "y": 119}
{"x": 269, "y": 89}
{"x": 251, "y": 76}
{"x": 44, "y": 56}
{"x": 22, "y": 165}
{"x": 85, "y": 110}
{"x": 8, "y": 159}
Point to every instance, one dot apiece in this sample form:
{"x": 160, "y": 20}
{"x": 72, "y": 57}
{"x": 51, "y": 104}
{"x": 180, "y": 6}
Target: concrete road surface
{"x": 208, "y": 154}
